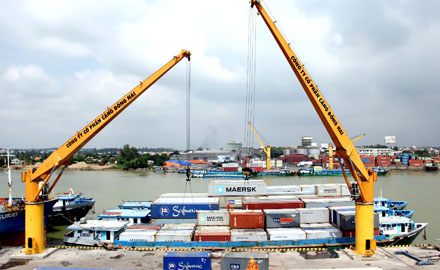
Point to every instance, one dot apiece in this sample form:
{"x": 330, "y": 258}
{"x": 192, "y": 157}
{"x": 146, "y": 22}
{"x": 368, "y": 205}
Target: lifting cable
{"x": 188, "y": 103}
{"x": 250, "y": 82}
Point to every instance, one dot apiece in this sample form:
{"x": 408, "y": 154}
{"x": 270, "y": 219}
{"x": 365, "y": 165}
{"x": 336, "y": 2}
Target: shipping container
{"x": 161, "y": 221}
{"x": 212, "y": 236}
{"x": 246, "y": 219}
{"x": 322, "y": 231}
{"x": 236, "y": 201}
{"x": 182, "y": 208}
{"x": 183, "y": 195}
{"x": 346, "y": 220}
{"x": 282, "y": 218}
{"x": 327, "y": 202}
{"x": 313, "y": 215}
{"x": 186, "y": 226}
{"x": 138, "y": 235}
{"x": 212, "y": 228}
{"x": 247, "y": 235}
{"x": 174, "y": 236}
{"x": 281, "y": 190}
{"x": 144, "y": 227}
{"x": 174, "y": 260}
{"x": 280, "y": 234}
{"x": 273, "y": 205}
{"x": 308, "y": 188}
{"x": 328, "y": 190}
{"x": 213, "y": 218}
{"x": 237, "y": 188}
{"x": 230, "y": 169}
{"x": 240, "y": 260}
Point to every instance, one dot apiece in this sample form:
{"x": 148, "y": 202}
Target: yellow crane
{"x": 363, "y": 191}
{"x": 265, "y": 149}
{"x": 36, "y": 179}
{"x": 330, "y": 151}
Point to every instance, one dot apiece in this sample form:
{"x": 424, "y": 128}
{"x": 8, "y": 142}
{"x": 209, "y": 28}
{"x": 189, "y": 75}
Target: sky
{"x": 63, "y": 62}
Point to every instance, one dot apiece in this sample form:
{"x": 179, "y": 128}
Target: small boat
{"x": 400, "y": 229}
{"x": 94, "y": 232}
{"x": 133, "y": 216}
{"x": 70, "y": 207}
{"x": 431, "y": 168}
{"x": 135, "y": 205}
{"x": 394, "y": 205}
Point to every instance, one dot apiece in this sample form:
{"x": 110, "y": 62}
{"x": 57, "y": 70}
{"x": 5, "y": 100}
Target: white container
{"x": 281, "y": 190}
{"x": 344, "y": 190}
{"x": 213, "y": 218}
{"x": 212, "y": 229}
{"x": 178, "y": 227}
{"x": 138, "y": 235}
{"x": 237, "y": 201}
{"x": 286, "y": 234}
{"x": 311, "y": 226}
{"x": 327, "y": 202}
{"x": 328, "y": 190}
{"x": 313, "y": 215}
{"x": 184, "y": 195}
{"x": 237, "y": 188}
{"x": 308, "y": 188}
{"x": 230, "y": 165}
{"x": 161, "y": 221}
{"x": 247, "y": 235}
{"x": 322, "y": 233}
{"x": 174, "y": 236}
{"x": 273, "y": 198}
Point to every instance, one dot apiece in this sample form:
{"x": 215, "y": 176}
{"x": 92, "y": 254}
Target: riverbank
{"x": 385, "y": 259}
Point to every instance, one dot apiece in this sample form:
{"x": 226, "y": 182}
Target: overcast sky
{"x": 63, "y": 62}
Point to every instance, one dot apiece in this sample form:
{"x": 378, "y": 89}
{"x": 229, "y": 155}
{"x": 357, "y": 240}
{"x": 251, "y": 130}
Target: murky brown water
{"x": 110, "y": 188}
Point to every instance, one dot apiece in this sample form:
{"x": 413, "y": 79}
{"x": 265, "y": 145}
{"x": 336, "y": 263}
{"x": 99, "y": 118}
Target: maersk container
{"x": 280, "y": 234}
{"x": 281, "y": 190}
{"x": 328, "y": 190}
{"x": 282, "y": 218}
{"x": 247, "y": 235}
{"x": 162, "y": 221}
{"x": 213, "y": 218}
{"x": 174, "y": 236}
{"x": 174, "y": 260}
{"x": 237, "y": 188}
{"x": 313, "y": 215}
{"x": 327, "y": 202}
{"x": 235, "y": 202}
{"x": 240, "y": 260}
{"x": 246, "y": 219}
{"x": 182, "y": 208}
{"x": 183, "y": 195}
{"x": 138, "y": 235}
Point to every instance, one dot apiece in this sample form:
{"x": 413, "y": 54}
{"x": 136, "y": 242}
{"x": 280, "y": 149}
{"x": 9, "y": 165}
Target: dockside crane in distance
{"x": 266, "y": 149}
{"x": 36, "y": 179}
{"x": 330, "y": 151}
{"x": 362, "y": 190}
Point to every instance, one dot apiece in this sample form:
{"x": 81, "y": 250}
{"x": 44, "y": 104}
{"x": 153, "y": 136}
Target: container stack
{"x": 175, "y": 233}
{"x": 240, "y": 260}
{"x": 271, "y": 202}
{"x": 344, "y": 218}
{"x": 173, "y": 260}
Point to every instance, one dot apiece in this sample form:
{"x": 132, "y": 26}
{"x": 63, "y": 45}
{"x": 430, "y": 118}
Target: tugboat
{"x": 69, "y": 208}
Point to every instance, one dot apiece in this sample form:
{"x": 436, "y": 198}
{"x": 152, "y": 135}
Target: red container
{"x": 230, "y": 169}
{"x": 246, "y": 219}
{"x": 212, "y": 236}
{"x": 351, "y": 233}
{"x": 416, "y": 162}
{"x": 272, "y": 205}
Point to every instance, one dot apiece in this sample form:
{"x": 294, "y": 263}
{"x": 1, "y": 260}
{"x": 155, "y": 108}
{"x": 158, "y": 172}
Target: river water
{"x": 110, "y": 188}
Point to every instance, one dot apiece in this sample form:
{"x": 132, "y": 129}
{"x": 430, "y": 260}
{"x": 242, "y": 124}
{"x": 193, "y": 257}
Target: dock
{"x": 281, "y": 258}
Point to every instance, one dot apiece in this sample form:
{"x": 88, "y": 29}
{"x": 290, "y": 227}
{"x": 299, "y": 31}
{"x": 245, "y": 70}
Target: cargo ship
{"x": 318, "y": 171}
{"x": 71, "y": 207}
{"x": 240, "y": 213}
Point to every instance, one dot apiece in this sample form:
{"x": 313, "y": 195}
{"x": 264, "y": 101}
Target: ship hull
{"x": 68, "y": 215}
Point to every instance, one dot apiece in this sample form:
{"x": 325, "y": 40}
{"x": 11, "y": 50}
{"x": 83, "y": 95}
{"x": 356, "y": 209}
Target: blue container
{"x": 174, "y": 260}
{"x": 178, "y": 210}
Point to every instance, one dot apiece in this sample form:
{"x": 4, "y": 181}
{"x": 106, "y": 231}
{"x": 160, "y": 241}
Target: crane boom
{"x": 60, "y": 157}
{"x": 265, "y": 149}
{"x": 365, "y": 243}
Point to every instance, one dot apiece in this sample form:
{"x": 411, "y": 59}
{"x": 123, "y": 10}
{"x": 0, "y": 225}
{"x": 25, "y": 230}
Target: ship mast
{"x": 9, "y": 181}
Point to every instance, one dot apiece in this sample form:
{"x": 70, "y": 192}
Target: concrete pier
{"x": 385, "y": 258}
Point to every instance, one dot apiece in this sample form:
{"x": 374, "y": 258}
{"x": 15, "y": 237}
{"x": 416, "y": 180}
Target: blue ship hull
{"x": 12, "y": 224}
